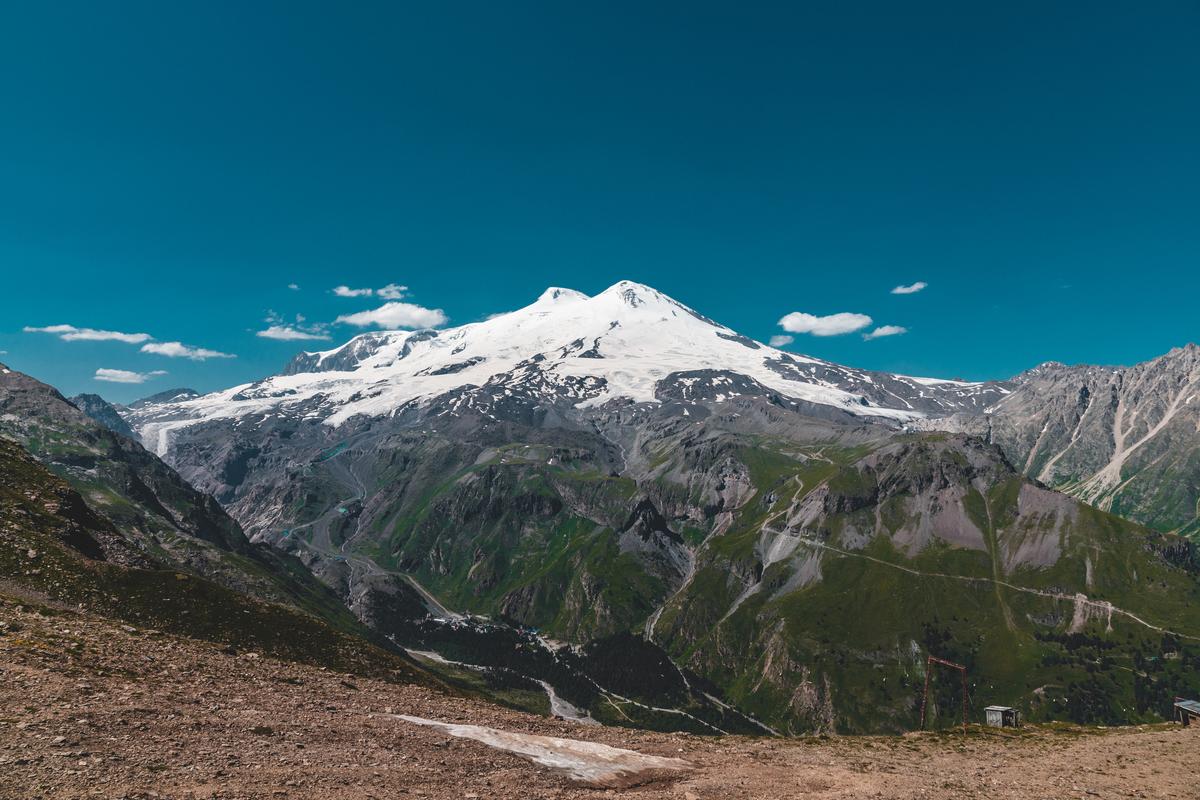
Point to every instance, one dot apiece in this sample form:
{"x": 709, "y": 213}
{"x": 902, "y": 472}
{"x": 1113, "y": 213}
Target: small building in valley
{"x": 1003, "y": 717}
{"x": 1187, "y": 711}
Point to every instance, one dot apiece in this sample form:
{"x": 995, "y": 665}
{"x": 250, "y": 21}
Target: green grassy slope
{"x": 845, "y": 648}
{"x": 54, "y": 547}
{"x": 153, "y": 508}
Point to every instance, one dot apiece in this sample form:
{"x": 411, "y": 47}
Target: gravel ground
{"x": 91, "y": 708}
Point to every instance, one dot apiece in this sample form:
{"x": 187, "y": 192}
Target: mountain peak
{"x": 100, "y": 410}
{"x": 635, "y": 294}
{"x": 167, "y": 396}
{"x": 557, "y": 294}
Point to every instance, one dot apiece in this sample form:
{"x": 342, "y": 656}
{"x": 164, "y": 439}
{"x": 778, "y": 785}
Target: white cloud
{"x": 125, "y": 376}
{"x": 912, "y": 288}
{"x": 282, "y": 330}
{"x": 69, "y": 333}
{"x": 180, "y": 350}
{"x": 393, "y": 291}
{"x": 294, "y": 287}
{"x": 885, "y": 330}
{"x": 289, "y": 333}
{"x": 396, "y": 315}
{"x": 831, "y": 325}
{"x": 346, "y": 291}
{"x": 781, "y": 340}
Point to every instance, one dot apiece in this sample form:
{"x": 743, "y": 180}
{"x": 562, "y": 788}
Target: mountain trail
{"x": 1102, "y": 606}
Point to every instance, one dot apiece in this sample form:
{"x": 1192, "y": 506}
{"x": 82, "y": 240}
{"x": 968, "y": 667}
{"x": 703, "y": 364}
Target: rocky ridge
{"x": 1125, "y": 439}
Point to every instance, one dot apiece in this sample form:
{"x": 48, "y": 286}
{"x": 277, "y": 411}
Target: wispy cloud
{"x": 126, "y": 376}
{"x": 830, "y": 325}
{"x": 180, "y": 350}
{"x": 885, "y": 330}
{"x": 284, "y": 330}
{"x": 912, "y": 288}
{"x": 393, "y": 291}
{"x": 391, "y": 316}
{"x": 69, "y": 333}
{"x": 781, "y": 340}
{"x": 289, "y": 333}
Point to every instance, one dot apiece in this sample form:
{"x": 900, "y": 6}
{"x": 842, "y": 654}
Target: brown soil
{"x": 90, "y": 708}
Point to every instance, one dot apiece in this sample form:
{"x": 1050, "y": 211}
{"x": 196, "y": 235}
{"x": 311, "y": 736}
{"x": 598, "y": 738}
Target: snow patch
{"x": 585, "y": 762}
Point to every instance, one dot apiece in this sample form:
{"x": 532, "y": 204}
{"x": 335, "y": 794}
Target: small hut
{"x": 1187, "y": 711}
{"x": 1003, "y": 717}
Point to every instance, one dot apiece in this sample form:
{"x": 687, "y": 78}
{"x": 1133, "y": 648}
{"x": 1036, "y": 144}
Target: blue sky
{"x": 170, "y": 169}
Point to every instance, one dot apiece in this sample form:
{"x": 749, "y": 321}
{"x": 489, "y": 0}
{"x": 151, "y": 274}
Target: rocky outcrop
{"x": 99, "y": 409}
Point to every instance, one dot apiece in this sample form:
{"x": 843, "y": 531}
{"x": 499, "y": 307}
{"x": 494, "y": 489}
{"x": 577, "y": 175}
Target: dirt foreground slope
{"x": 91, "y": 708}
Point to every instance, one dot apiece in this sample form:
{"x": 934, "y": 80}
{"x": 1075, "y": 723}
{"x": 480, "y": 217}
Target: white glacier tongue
{"x": 586, "y": 762}
{"x": 564, "y": 347}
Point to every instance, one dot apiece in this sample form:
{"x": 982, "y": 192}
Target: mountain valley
{"x": 796, "y": 534}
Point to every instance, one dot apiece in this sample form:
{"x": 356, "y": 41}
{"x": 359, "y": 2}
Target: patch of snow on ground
{"x": 586, "y": 762}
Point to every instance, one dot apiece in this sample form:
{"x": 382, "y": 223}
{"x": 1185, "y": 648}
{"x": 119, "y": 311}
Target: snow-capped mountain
{"x": 589, "y": 466}
{"x": 628, "y": 343}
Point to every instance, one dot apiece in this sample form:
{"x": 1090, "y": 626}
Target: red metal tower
{"x": 925, "y": 698}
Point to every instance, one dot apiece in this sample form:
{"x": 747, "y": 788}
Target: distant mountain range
{"x": 1122, "y": 438}
{"x": 798, "y": 533}
{"x": 1125, "y": 439}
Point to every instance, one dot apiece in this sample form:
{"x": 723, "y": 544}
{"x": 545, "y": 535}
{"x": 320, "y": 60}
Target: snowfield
{"x": 618, "y": 344}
